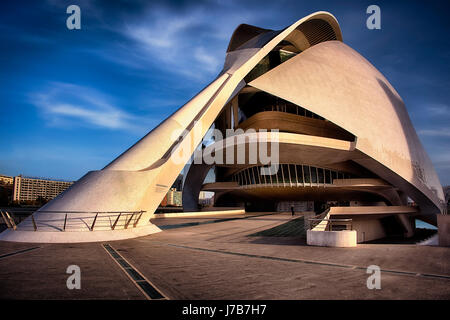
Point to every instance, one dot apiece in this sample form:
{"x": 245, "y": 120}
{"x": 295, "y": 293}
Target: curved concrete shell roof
{"x": 335, "y": 82}
{"x": 340, "y": 85}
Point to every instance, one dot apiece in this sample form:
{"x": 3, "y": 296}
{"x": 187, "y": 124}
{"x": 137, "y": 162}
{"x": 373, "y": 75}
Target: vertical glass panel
{"x": 328, "y": 176}
{"x": 279, "y": 176}
{"x": 261, "y": 68}
{"x": 300, "y": 174}
{"x": 249, "y": 178}
{"x": 287, "y": 173}
{"x": 320, "y": 175}
{"x": 262, "y": 177}
{"x": 256, "y": 175}
{"x": 313, "y": 174}
{"x": 281, "y": 173}
{"x": 333, "y": 175}
{"x": 292, "y": 171}
{"x": 307, "y": 174}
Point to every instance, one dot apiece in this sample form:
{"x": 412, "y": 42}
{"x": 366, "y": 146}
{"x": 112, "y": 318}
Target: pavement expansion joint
{"x": 140, "y": 281}
{"x": 18, "y": 252}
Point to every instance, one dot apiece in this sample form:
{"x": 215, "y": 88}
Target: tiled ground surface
{"x": 219, "y": 261}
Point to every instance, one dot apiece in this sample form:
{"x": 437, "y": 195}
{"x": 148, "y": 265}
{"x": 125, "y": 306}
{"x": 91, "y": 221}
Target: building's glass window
{"x": 262, "y": 67}
{"x": 333, "y": 175}
{"x": 287, "y": 174}
{"x": 313, "y": 175}
{"x": 307, "y": 173}
{"x": 320, "y": 175}
{"x": 280, "y": 174}
{"x": 293, "y": 176}
{"x": 300, "y": 173}
{"x": 327, "y": 176}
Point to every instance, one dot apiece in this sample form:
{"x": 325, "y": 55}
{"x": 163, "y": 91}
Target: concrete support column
{"x": 193, "y": 185}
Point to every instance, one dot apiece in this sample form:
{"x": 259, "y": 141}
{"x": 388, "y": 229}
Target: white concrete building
{"x": 344, "y": 133}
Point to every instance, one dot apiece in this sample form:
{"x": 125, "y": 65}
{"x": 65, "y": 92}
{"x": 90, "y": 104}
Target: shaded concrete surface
{"x": 220, "y": 261}
{"x": 41, "y": 273}
{"x": 184, "y": 221}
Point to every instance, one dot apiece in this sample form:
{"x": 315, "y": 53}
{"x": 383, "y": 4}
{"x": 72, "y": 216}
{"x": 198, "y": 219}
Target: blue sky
{"x": 73, "y": 100}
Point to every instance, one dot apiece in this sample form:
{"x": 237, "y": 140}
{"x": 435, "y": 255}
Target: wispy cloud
{"x": 65, "y": 104}
{"x": 164, "y": 38}
{"x": 190, "y": 42}
{"x": 439, "y": 132}
{"x": 439, "y": 109}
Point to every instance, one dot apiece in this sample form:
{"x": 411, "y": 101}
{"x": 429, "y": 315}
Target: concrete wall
{"x": 368, "y": 230}
{"x": 444, "y": 230}
{"x": 343, "y": 239}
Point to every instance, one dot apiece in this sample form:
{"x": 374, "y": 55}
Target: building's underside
{"x": 344, "y": 137}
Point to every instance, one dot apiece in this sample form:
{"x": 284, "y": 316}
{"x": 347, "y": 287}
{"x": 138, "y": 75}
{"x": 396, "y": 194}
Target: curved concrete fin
{"x": 335, "y": 82}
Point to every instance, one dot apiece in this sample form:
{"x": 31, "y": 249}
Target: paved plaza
{"x": 216, "y": 258}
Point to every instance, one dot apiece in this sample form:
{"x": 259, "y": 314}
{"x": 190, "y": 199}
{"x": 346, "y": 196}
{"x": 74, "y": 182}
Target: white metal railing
{"x": 74, "y": 220}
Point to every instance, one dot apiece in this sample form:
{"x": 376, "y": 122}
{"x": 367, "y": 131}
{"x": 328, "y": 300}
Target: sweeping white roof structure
{"x": 326, "y": 77}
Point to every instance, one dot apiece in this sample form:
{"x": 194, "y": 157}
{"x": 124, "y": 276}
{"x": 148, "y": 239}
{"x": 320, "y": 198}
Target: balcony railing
{"x": 74, "y": 220}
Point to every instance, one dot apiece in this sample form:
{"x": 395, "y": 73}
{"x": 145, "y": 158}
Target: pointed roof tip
{"x": 244, "y": 32}
{"x": 328, "y": 17}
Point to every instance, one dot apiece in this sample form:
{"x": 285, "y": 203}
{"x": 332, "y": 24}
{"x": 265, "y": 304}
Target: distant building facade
{"x": 6, "y": 187}
{"x": 206, "y": 199}
{"x": 6, "y": 180}
{"x": 173, "y": 198}
{"x": 30, "y": 189}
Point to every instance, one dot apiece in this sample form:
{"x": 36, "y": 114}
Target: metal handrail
{"x": 68, "y": 211}
{"x": 65, "y": 220}
{"x": 332, "y": 222}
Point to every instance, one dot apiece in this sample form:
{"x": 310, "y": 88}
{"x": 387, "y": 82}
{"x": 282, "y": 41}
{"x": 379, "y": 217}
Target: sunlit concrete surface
{"x": 201, "y": 262}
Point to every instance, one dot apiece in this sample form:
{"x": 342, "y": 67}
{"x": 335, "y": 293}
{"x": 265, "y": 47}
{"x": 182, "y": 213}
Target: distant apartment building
{"x": 206, "y": 199}
{"x": 6, "y": 180}
{"x": 173, "y": 197}
{"x": 30, "y": 189}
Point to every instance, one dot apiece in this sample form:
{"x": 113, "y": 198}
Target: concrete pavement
{"x": 220, "y": 261}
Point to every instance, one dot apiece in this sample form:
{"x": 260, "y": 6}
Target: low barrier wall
{"x": 343, "y": 239}
{"x": 199, "y": 213}
{"x": 444, "y": 230}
